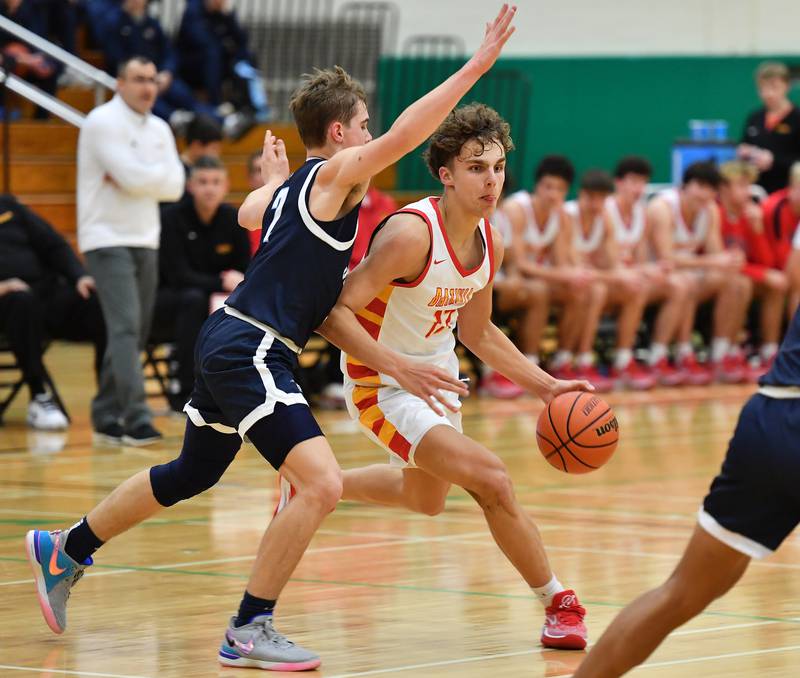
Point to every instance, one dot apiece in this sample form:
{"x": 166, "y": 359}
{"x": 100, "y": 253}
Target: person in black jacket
{"x": 213, "y": 56}
{"x": 771, "y": 138}
{"x": 131, "y": 31}
{"x": 44, "y": 292}
{"x": 203, "y": 251}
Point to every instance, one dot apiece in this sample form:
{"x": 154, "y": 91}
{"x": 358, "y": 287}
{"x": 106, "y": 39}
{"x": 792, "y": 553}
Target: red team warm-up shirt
{"x": 780, "y": 223}
{"x": 756, "y": 246}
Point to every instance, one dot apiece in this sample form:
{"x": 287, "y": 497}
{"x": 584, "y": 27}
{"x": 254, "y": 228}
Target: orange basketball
{"x": 577, "y": 432}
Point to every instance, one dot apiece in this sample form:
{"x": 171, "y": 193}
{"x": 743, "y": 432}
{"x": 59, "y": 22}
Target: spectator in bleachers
{"x": 596, "y": 248}
{"x": 213, "y": 57}
{"x": 99, "y": 16}
{"x": 771, "y": 137}
{"x": 782, "y": 224}
{"x": 666, "y": 287}
{"x": 132, "y": 32}
{"x": 44, "y": 293}
{"x": 203, "y": 138}
{"x": 22, "y": 59}
{"x": 541, "y": 251}
{"x": 743, "y": 229}
{"x": 685, "y": 233}
{"x": 127, "y": 163}
{"x": 204, "y": 251}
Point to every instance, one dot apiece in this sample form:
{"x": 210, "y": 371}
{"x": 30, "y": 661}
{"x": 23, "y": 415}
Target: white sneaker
{"x": 45, "y": 415}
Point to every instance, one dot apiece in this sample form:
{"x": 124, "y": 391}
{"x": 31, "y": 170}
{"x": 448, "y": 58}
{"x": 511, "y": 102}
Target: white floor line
{"x": 712, "y": 657}
{"x": 67, "y": 672}
{"x": 502, "y": 655}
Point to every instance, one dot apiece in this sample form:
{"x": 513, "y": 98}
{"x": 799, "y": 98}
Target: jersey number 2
{"x": 277, "y": 205}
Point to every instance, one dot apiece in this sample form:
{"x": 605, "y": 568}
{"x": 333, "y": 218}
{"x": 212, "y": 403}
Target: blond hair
{"x": 770, "y": 70}
{"x": 738, "y": 169}
{"x": 325, "y": 96}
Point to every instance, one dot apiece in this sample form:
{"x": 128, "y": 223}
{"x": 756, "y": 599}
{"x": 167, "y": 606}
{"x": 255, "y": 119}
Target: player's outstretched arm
{"x": 274, "y": 171}
{"x": 356, "y": 165}
{"x": 481, "y": 336}
{"x": 399, "y": 251}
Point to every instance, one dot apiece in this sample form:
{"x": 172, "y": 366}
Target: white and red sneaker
{"x": 634, "y": 377}
{"x": 564, "y": 372}
{"x": 665, "y": 374}
{"x": 563, "y": 623}
{"x": 601, "y": 383}
{"x": 732, "y": 369}
{"x": 498, "y": 386}
{"x": 693, "y": 372}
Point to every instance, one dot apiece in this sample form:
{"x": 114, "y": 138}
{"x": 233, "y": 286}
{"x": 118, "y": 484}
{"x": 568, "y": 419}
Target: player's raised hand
{"x": 427, "y": 382}
{"x": 274, "y": 163}
{"x": 497, "y": 34}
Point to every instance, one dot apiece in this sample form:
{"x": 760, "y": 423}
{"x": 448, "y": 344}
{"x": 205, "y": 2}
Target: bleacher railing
{"x": 101, "y": 80}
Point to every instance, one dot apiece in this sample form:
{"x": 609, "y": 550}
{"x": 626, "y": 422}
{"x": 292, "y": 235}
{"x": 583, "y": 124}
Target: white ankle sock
{"x": 585, "y": 359}
{"x": 685, "y": 350}
{"x": 768, "y": 351}
{"x": 545, "y": 593}
{"x": 719, "y": 348}
{"x": 562, "y": 358}
{"x": 623, "y": 358}
{"x": 657, "y": 352}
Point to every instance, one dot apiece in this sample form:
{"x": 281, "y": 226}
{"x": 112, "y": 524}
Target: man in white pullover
{"x": 127, "y": 163}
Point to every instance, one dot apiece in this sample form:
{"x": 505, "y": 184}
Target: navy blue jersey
{"x": 296, "y": 276}
{"x": 786, "y": 368}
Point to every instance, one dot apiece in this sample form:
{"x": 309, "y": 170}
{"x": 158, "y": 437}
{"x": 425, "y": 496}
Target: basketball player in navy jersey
{"x": 246, "y": 354}
{"x": 750, "y": 509}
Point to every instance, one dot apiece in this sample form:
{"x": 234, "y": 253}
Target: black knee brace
{"x": 205, "y": 456}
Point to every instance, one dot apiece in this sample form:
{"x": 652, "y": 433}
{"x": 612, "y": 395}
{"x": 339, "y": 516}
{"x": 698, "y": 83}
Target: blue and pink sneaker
{"x": 55, "y": 574}
{"x": 258, "y": 645}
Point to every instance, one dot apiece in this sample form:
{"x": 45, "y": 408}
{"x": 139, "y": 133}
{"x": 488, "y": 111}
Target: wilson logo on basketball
{"x": 588, "y": 407}
{"x": 607, "y": 427}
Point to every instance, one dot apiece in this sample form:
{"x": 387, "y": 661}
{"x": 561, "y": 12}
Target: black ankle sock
{"x": 252, "y": 607}
{"x": 81, "y": 542}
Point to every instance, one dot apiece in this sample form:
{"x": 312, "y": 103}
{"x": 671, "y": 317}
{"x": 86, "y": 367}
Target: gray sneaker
{"x": 258, "y": 645}
{"x": 55, "y": 572}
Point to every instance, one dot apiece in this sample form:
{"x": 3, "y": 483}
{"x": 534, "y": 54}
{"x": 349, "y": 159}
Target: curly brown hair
{"x": 325, "y": 96}
{"x": 474, "y": 122}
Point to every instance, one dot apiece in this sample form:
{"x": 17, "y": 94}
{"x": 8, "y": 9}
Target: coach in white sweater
{"x": 127, "y": 164}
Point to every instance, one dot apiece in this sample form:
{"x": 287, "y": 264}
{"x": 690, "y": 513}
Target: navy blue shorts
{"x": 754, "y": 503}
{"x": 244, "y": 376}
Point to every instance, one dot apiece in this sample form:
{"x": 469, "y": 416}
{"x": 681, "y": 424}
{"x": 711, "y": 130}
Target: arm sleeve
{"x": 50, "y": 245}
{"x": 162, "y": 180}
{"x": 177, "y": 270}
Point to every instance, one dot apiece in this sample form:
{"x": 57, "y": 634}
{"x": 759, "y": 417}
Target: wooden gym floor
{"x": 382, "y": 592}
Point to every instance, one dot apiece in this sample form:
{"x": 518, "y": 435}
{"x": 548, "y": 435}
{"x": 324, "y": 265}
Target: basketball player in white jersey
{"x": 665, "y": 286}
{"x": 595, "y": 246}
{"x": 685, "y": 232}
{"x": 542, "y": 251}
{"x": 429, "y": 266}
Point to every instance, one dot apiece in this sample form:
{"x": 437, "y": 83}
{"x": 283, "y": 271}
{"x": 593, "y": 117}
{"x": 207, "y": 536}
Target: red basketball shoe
{"x": 601, "y": 383}
{"x": 666, "y": 374}
{"x": 499, "y": 386}
{"x": 693, "y": 372}
{"x": 563, "y": 623}
{"x": 634, "y": 377}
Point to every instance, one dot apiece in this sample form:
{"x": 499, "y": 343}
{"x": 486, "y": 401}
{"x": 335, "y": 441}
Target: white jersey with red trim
{"x": 537, "y": 239}
{"x": 628, "y": 235}
{"x": 586, "y": 244}
{"x": 417, "y": 319}
{"x": 686, "y": 239}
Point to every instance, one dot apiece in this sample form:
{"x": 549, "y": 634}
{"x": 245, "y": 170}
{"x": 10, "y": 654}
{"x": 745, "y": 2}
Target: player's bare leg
{"x": 772, "y": 293}
{"x": 628, "y": 293}
{"x": 707, "y": 570}
{"x": 313, "y": 472}
{"x": 453, "y": 457}
{"x": 385, "y": 485}
{"x": 596, "y": 297}
{"x": 128, "y": 505}
{"x": 674, "y": 291}
{"x": 532, "y": 297}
